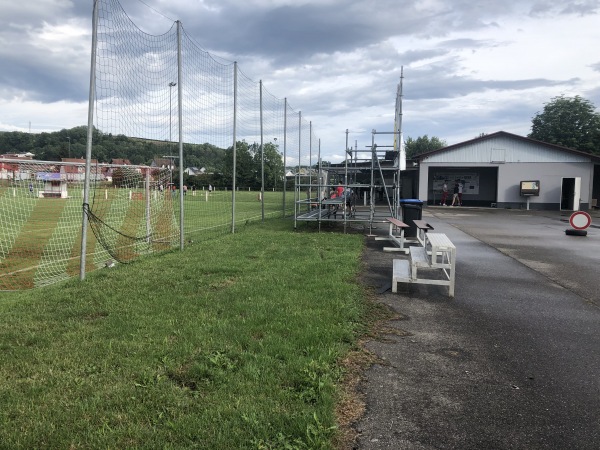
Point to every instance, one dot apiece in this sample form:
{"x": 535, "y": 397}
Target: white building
{"x": 492, "y": 167}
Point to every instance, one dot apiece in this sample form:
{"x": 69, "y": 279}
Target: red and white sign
{"x": 580, "y": 220}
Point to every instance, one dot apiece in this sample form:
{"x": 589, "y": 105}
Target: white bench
{"x": 422, "y": 229}
{"x": 437, "y": 253}
{"x": 398, "y": 240}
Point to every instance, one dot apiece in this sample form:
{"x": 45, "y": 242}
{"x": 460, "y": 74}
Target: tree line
{"x": 218, "y": 162}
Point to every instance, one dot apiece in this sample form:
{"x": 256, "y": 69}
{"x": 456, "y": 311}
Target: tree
{"x": 568, "y": 121}
{"x": 274, "y": 170}
{"x": 422, "y": 144}
{"x": 245, "y": 172}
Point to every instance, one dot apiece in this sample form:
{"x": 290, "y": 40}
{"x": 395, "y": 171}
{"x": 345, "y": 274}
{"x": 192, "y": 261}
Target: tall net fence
{"x": 191, "y": 110}
{"x": 41, "y": 219}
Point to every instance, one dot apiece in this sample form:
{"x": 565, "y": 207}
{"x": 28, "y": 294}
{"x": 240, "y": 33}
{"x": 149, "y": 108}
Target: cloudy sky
{"x": 470, "y": 66}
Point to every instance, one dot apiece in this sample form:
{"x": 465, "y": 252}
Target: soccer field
{"x": 40, "y": 238}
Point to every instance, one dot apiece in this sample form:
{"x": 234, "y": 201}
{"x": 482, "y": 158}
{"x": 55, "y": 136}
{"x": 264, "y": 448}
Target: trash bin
{"x": 412, "y": 209}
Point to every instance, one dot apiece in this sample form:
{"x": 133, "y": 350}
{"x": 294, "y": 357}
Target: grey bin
{"x": 412, "y": 209}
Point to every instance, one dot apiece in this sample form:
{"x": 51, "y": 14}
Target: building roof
{"x": 121, "y": 162}
{"x": 485, "y": 137}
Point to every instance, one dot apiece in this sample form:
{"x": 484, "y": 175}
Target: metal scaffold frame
{"x": 369, "y": 180}
{"x": 372, "y": 175}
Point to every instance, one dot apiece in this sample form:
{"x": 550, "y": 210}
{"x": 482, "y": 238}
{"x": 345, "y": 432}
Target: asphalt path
{"x": 512, "y": 362}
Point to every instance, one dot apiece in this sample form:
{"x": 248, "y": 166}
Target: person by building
{"x": 455, "y": 194}
{"x": 444, "y": 193}
{"x": 460, "y": 192}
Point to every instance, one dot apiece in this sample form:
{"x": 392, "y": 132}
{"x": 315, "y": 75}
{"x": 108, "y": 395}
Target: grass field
{"x": 40, "y": 238}
{"x": 232, "y": 344}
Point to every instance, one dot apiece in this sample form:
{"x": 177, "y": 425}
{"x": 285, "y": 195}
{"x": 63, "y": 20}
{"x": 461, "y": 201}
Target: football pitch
{"x": 40, "y": 238}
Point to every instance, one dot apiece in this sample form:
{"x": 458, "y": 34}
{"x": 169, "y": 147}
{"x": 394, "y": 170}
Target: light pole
{"x": 69, "y": 139}
{"x": 172, "y": 84}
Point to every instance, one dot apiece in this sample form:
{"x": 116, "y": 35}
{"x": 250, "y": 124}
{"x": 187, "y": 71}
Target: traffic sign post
{"x": 579, "y": 221}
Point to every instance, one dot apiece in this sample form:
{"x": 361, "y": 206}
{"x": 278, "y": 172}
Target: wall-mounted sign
{"x": 531, "y": 187}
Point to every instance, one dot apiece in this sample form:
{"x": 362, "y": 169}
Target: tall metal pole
{"x": 310, "y": 160}
{"x": 262, "y": 156}
{"x": 234, "y": 146}
{"x": 400, "y": 146}
{"x": 299, "y": 152}
{"x": 147, "y": 193}
{"x": 179, "y": 111}
{"x": 284, "y": 151}
{"x": 171, "y": 165}
{"x": 88, "y": 150}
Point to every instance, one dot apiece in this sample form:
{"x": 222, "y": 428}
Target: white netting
{"x": 144, "y": 92}
{"x": 41, "y": 217}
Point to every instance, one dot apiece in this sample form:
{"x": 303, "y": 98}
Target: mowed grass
{"x": 231, "y": 344}
{"x": 40, "y": 239}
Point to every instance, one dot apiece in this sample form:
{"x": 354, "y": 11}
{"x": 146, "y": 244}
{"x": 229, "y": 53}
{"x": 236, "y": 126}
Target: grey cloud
{"x": 577, "y": 7}
{"x": 439, "y": 82}
{"x": 290, "y": 33}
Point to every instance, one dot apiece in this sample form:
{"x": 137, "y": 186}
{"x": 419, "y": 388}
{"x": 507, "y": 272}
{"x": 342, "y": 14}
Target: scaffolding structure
{"x": 366, "y": 188}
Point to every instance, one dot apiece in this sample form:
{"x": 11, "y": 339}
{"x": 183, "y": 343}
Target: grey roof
{"x": 593, "y": 157}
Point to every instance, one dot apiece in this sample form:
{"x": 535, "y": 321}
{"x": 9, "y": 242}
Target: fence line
{"x": 171, "y": 96}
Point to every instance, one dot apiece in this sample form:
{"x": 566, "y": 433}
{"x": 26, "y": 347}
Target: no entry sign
{"x": 580, "y": 220}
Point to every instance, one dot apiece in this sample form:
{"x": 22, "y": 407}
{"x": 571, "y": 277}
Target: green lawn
{"x": 234, "y": 343}
{"x": 40, "y": 238}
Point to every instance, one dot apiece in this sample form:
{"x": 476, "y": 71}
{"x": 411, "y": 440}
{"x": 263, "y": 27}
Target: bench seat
{"x": 437, "y": 253}
{"x": 422, "y": 228}
{"x": 398, "y": 240}
{"x": 400, "y": 273}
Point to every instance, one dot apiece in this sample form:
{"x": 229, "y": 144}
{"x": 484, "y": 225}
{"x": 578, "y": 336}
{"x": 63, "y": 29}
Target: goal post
{"x": 41, "y": 224}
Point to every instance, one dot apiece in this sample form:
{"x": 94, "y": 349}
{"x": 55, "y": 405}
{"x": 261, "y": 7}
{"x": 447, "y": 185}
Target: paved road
{"x": 512, "y": 362}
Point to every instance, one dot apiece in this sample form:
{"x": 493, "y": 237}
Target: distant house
{"x": 27, "y": 155}
{"x": 109, "y": 171}
{"x": 194, "y": 171}
{"x": 75, "y": 171}
{"x": 120, "y": 162}
{"x": 163, "y": 163}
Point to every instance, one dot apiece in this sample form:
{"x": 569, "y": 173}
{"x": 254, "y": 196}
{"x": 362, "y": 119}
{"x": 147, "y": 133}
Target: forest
{"x": 71, "y": 143}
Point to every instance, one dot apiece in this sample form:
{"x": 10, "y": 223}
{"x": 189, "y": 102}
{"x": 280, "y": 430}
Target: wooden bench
{"x": 437, "y": 253}
{"x": 398, "y": 240}
{"x": 422, "y": 228}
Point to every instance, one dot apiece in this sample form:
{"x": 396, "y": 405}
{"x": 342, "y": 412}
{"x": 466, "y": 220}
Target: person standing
{"x": 455, "y": 194}
{"x": 444, "y": 193}
{"x": 460, "y": 192}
